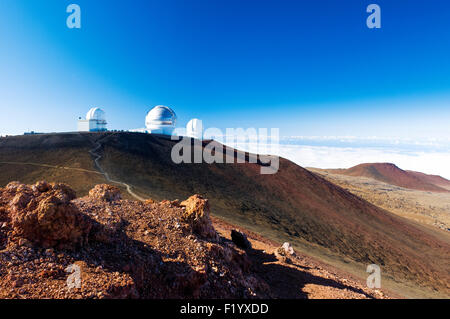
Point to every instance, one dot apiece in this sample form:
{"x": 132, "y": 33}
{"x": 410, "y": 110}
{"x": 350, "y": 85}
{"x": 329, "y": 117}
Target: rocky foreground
{"x": 54, "y": 245}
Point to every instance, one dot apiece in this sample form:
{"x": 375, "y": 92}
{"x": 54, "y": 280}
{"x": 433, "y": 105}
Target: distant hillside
{"x": 432, "y": 179}
{"x": 428, "y": 208}
{"x": 293, "y": 205}
{"x": 391, "y": 174}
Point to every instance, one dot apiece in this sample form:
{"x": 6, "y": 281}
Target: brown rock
{"x": 48, "y": 219}
{"x": 12, "y": 186}
{"x": 170, "y": 261}
{"x": 42, "y": 186}
{"x": 197, "y": 216}
{"x": 64, "y": 192}
{"x": 21, "y": 200}
{"x": 106, "y": 193}
{"x": 288, "y": 249}
{"x": 240, "y": 239}
{"x": 175, "y": 203}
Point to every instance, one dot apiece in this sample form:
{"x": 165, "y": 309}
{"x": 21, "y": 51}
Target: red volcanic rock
{"x": 135, "y": 249}
{"x": 41, "y": 186}
{"x": 240, "y": 239}
{"x": 63, "y": 192}
{"x": 197, "y": 215}
{"x": 47, "y": 218}
{"x": 288, "y": 249}
{"x": 106, "y": 193}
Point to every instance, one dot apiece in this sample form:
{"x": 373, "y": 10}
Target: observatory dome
{"x": 95, "y": 121}
{"x": 161, "y": 120}
{"x": 95, "y": 113}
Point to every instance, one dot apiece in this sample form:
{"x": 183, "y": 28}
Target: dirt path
{"x": 52, "y": 166}
{"x": 97, "y": 156}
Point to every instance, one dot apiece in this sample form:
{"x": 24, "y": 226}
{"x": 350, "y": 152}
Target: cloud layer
{"x": 431, "y": 158}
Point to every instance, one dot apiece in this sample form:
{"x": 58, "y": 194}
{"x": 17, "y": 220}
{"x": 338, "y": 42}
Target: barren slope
{"x": 391, "y": 174}
{"x": 428, "y": 208}
{"x": 295, "y": 205}
{"x": 432, "y": 179}
{"x": 130, "y": 249}
{"x": 122, "y": 249}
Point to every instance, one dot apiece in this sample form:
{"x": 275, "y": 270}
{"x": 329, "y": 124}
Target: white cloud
{"x": 429, "y": 161}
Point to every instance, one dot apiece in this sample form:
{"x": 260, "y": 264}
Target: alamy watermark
{"x": 74, "y": 19}
{"x": 200, "y": 146}
{"x": 74, "y": 279}
{"x": 374, "y": 279}
{"x": 374, "y": 19}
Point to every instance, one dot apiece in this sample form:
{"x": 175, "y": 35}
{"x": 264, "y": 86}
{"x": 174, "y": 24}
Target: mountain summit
{"x": 391, "y": 174}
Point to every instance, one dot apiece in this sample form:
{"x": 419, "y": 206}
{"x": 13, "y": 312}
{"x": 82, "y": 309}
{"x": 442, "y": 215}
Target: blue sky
{"x": 307, "y": 67}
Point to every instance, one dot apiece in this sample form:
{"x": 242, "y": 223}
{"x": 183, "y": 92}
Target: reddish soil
{"x": 124, "y": 249}
{"x": 432, "y": 179}
{"x": 300, "y": 276}
{"x": 131, "y": 249}
{"x": 293, "y": 205}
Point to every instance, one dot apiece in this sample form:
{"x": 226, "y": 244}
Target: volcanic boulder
{"x": 135, "y": 250}
{"x": 240, "y": 239}
{"x": 106, "y": 193}
{"x": 197, "y": 215}
{"x": 288, "y": 249}
{"x": 285, "y": 253}
{"x": 44, "y": 215}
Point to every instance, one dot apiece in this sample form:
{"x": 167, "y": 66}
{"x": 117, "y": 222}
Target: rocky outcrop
{"x": 106, "y": 193}
{"x": 285, "y": 253}
{"x": 43, "y": 214}
{"x": 240, "y": 239}
{"x": 197, "y": 215}
{"x": 130, "y": 249}
{"x": 288, "y": 250}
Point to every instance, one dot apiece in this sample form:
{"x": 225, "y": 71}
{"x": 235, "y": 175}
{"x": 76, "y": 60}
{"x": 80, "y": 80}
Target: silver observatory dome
{"x": 161, "y": 120}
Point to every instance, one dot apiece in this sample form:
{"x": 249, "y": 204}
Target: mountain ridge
{"x": 392, "y": 174}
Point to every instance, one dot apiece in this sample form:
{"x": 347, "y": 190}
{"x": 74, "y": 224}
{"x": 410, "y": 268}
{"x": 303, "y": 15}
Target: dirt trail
{"x": 52, "y": 166}
{"x": 97, "y": 156}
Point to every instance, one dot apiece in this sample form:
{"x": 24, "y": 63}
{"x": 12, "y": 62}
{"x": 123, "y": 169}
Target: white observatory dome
{"x": 95, "y": 121}
{"x": 194, "y": 129}
{"x": 96, "y": 113}
{"x": 161, "y": 120}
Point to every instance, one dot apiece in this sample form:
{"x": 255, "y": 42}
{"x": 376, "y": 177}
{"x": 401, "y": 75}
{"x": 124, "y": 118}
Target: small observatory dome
{"x": 161, "y": 120}
{"x": 95, "y": 121}
{"x": 96, "y": 114}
